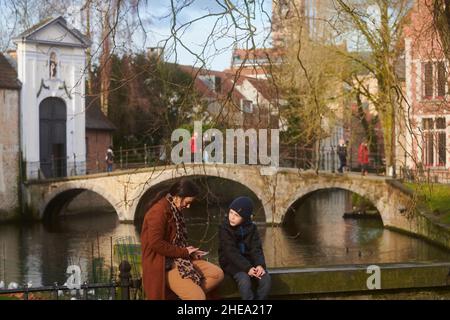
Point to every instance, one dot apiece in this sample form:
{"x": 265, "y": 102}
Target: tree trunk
{"x": 105, "y": 64}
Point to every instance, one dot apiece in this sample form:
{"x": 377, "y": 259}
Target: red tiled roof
{"x": 229, "y": 80}
{"x": 264, "y": 88}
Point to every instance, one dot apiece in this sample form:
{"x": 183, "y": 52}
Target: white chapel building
{"x": 51, "y": 66}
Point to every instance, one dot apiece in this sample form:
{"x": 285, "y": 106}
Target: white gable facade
{"x": 51, "y": 62}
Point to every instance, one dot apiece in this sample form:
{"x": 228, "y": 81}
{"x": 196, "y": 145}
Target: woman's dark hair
{"x": 182, "y": 188}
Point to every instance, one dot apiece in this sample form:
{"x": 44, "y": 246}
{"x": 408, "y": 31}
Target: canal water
{"x": 315, "y": 234}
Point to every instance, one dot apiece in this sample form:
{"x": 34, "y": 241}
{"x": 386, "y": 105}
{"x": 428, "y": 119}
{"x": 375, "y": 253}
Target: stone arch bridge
{"x": 277, "y": 190}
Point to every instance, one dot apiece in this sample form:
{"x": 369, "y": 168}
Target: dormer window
{"x": 218, "y": 84}
{"x": 247, "y": 106}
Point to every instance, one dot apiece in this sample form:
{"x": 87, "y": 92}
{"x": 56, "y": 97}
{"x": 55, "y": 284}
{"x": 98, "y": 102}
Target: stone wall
{"x": 9, "y": 154}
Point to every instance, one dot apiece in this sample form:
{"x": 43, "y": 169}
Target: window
{"x": 428, "y": 80}
{"x": 434, "y": 80}
{"x": 218, "y": 84}
{"x": 441, "y": 79}
{"x": 441, "y": 141}
{"x": 247, "y": 106}
{"x": 434, "y": 142}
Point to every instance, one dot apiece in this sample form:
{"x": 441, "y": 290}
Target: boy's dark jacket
{"x": 231, "y": 239}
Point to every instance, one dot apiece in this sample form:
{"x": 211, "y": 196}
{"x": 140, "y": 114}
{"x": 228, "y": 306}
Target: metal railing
{"x": 125, "y": 288}
{"x": 425, "y": 175}
{"x": 290, "y": 156}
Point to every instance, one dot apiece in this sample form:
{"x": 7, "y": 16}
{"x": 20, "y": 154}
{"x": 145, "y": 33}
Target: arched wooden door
{"x": 52, "y": 138}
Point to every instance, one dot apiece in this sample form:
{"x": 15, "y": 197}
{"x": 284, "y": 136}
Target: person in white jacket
{"x": 109, "y": 159}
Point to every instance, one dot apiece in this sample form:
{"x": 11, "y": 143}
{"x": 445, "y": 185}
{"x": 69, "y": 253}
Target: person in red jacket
{"x": 194, "y": 146}
{"x": 363, "y": 157}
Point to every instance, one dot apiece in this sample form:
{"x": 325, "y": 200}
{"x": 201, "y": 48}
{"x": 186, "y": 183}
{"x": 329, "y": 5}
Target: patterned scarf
{"x": 185, "y": 266}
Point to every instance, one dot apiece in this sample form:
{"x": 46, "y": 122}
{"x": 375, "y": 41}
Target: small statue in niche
{"x": 53, "y": 66}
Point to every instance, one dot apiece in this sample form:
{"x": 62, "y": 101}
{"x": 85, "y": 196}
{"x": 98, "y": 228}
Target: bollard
{"x": 121, "y": 159}
{"x": 85, "y": 291}
{"x": 25, "y": 294}
{"x": 333, "y": 167}
{"x": 113, "y": 291}
{"x": 75, "y": 164}
{"x": 125, "y": 276}
{"x": 145, "y": 155}
{"x": 78, "y": 294}
{"x": 55, "y": 285}
{"x": 295, "y": 156}
{"x": 53, "y": 166}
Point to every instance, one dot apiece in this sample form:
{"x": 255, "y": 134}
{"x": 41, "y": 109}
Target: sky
{"x": 194, "y": 44}
{"x": 216, "y": 50}
{"x": 193, "y": 39}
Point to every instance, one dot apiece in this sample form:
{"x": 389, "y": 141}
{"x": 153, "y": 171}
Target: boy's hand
{"x": 259, "y": 272}
{"x": 252, "y": 272}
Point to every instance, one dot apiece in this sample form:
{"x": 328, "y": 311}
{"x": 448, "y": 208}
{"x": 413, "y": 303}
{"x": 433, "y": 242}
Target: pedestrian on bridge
{"x": 172, "y": 267}
{"x": 363, "y": 157}
{"x": 342, "y": 153}
{"x": 109, "y": 158}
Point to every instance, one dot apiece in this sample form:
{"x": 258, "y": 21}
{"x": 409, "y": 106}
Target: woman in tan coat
{"x": 168, "y": 262}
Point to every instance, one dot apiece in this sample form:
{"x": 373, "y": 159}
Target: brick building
{"x": 99, "y": 135}
{"x": 425, "y": 135}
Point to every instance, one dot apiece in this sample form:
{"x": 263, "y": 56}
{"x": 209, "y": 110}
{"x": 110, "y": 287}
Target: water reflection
{"x": 315, "y": 234}
{"x": 41, "y": 253}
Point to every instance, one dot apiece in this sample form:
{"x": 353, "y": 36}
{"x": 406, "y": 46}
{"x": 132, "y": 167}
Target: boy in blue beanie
{"x": 240, "y": 251}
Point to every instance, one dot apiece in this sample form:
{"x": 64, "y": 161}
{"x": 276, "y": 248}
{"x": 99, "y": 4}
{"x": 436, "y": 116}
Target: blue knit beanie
{"x": 243, "y": 206}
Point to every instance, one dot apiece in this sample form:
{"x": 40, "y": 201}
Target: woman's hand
{"x": 199, "y": 254}
{"x": 191, "y": 249}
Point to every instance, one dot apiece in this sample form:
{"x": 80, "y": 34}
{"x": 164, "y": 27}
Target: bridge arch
{"x": 57, "y": 200}
{"x": 256, "y": 186}
{"x": 305, "y": 191}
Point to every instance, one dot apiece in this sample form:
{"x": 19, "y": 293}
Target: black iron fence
{"x": 123, "y": 288}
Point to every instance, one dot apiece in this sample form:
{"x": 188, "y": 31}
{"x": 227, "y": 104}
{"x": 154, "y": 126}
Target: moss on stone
{"x": 436, "y": 198}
